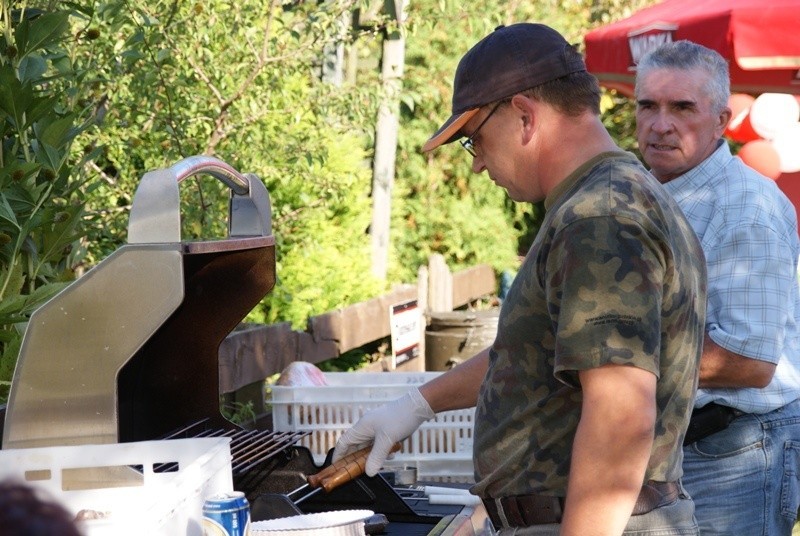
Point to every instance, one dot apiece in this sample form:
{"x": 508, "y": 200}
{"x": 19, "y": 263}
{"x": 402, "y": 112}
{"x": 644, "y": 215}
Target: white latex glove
{"x": 383, "y": 427}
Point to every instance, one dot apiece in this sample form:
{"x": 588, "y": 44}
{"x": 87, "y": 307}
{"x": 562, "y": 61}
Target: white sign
{"x": 645, "y": 39}
{"x": 405, "y": 322}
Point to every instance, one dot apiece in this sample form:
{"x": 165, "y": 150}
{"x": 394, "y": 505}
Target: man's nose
{"x": 662, "y": 122}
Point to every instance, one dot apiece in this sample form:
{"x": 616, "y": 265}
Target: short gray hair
{"x": 688, "y": 55}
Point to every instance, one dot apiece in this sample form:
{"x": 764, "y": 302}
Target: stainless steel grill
{"x": 129, "y": 351}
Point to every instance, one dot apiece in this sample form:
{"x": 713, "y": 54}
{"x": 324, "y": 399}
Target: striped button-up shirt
{"x": 748, "y": 230}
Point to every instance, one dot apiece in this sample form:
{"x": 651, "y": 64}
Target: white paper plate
{"x": 336, "y": 523}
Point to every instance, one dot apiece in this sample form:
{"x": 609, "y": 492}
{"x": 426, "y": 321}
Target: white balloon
{"x": 787, "y": 144}
{"x": 772, "y": 112}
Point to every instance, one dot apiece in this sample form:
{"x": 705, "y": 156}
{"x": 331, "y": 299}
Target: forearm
{"x": 457, "y": 388}
{"x": 722, "y": 368}
{"x": 609, "y": 459}
{"x": 605, "y": 481}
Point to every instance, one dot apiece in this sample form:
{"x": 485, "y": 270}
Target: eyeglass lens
{"x": 468, "y": 142}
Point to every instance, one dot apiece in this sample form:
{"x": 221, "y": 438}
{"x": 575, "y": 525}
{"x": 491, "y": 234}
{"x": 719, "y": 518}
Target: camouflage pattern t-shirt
{"x": 615, "y": 275}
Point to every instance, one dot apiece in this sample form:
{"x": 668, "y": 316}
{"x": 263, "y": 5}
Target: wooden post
{"x": 393, "y": 61}
{"x": 422, "y": 302}
{"x": 440, "y": 285}
{"x": 333, "y": 54}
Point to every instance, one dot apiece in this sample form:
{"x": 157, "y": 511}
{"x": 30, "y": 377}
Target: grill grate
{"x": 254, "y": 452}
{"x": 251, "y": 448}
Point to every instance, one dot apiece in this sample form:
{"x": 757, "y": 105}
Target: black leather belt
{"x": 528, "y": 510}
{"x": 524, "y": 510}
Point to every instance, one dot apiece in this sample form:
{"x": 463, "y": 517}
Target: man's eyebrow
{"x": 680, "y": 103}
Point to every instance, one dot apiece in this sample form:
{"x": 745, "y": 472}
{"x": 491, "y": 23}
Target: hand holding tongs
{"x": 340, "y": 472}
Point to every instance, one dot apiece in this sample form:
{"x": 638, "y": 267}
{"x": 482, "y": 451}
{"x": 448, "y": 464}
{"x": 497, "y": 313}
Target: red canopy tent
{"x": 761, "y": 38}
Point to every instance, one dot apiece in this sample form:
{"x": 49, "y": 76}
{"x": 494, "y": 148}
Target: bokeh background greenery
{"x": 93, "y": 94}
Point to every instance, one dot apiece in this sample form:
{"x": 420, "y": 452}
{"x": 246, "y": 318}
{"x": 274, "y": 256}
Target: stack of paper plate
{"x": 337, "y": 523}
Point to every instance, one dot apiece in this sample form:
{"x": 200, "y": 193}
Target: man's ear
{"x": 724, "y": 118}
{"x": 525, "y": 109}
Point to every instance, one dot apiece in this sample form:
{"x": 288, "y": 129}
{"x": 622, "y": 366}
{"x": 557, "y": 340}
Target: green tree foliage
{"x": 243, "y": 83}
{"x": 42, "y": 185}
{"x": 165, "y": 80}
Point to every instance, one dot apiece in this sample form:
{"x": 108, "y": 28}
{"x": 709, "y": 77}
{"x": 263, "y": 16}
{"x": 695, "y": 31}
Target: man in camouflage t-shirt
{"x": 584, "y": 398}
{"x": 607, "y": 280}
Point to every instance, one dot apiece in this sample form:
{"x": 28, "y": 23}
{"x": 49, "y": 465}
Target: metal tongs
{"x": 334, "y": 475}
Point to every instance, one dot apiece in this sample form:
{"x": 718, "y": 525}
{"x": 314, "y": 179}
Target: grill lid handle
{"x": 195, "y": 165}
{"x": 155, "y": 211}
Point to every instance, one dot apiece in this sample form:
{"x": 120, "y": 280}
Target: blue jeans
{"x": 744, "y": 480}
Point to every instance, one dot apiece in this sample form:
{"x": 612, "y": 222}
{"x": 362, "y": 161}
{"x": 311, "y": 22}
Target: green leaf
{"x": 42, "y": 294}
{"x": 148, "y": 20}
{"x": 131, "y": 56}
{"x": 87, "y": 11}
{"x": 40, "y": 107}
{"x": 62, "y": 65}
{"x": 28, "y": 245}
{"x": 6, "y": 335}
{"x": 31, "y": 68}
{"x": 58, "y": 133}
{"x": 16, "y": 278}
{"x": 15, "y": 97}
{"x": 49, "y": 156}
{"x": 41, "y": 32}
{"x": 6, "y": 212}
{"x": 8, "y": 360}
{"x": 61, "y": 233}
{"x": 12, "y": 305}
{"x": 23, "y": 197}
{"x": 163, "y": 54}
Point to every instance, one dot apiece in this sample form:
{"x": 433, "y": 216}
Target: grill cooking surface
{"x": 253, "y": 452}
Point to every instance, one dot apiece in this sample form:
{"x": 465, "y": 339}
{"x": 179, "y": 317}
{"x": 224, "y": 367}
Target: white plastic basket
{"x": 149, "y": 502}
{"x": 440, "y": 450}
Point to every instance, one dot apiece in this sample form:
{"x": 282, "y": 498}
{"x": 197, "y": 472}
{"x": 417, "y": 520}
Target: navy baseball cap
{"x": 509, "y": 60}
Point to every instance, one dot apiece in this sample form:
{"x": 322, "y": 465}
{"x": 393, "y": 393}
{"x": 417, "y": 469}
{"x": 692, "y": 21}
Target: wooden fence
{"x": 255, "y": 352}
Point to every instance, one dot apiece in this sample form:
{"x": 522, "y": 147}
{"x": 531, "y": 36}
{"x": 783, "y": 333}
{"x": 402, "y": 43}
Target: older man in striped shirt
{"x": 742, "y": 453}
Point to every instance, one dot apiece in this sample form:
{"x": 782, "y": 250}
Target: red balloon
{"x": 761, "y": 156}
{"x": 739, "y": 102}
{"x": 740, "y": 129}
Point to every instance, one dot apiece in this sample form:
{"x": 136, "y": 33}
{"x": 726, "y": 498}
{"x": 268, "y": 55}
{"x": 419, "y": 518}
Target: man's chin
{"x": 520, "y": 198}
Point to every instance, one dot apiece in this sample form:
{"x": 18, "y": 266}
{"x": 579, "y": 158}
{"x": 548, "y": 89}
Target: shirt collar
{"x": 565, "y": 185}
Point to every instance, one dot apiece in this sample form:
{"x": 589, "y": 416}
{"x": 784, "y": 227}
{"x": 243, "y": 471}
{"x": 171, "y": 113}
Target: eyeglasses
{"x": 468, "y": 143}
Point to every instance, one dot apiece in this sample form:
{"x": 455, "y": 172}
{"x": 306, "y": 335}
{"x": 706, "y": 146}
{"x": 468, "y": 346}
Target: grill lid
{"x": 152, "y": 315}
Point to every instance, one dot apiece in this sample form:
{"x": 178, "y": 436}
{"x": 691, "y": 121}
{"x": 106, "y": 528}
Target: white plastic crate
{"x": 440, "y": 450}
{"x": 153, "y": 503}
